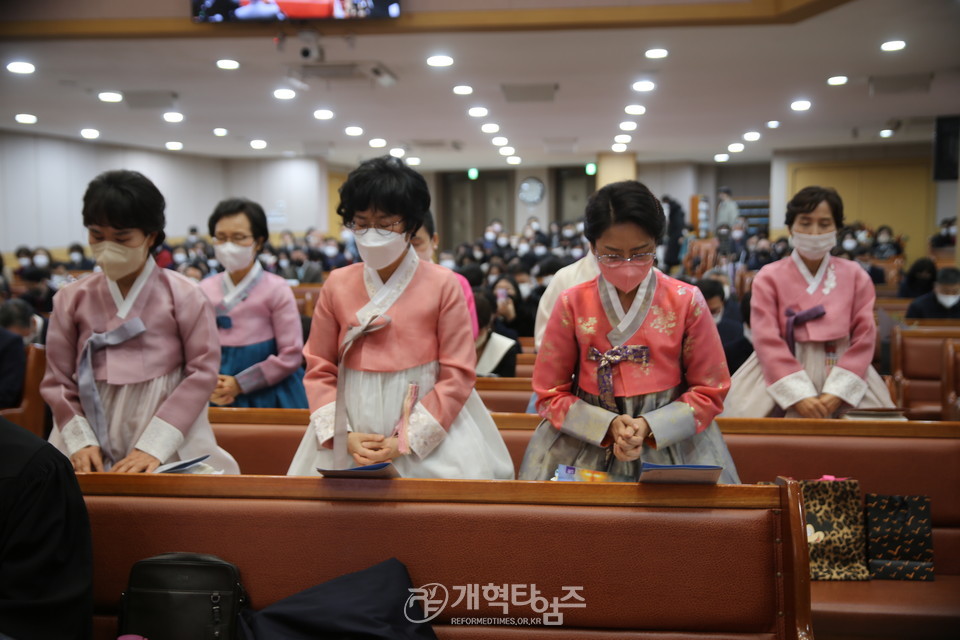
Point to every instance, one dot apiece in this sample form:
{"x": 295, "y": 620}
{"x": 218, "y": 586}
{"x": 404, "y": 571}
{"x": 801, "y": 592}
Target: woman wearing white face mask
{"x": 812, "y": 324}
{"x": 257, "y": 316}
{"x": 132, "y": 351}
{"x": 391, "y": 358}
{"x": 631, "y": 368}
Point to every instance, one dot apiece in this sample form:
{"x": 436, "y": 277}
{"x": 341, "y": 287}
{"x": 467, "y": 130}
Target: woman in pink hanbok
{"x": 811, "y": 315}
{"x": 631, "y": 368}
{"x": 132, "y": 352}
{"x": 391, "y": 357}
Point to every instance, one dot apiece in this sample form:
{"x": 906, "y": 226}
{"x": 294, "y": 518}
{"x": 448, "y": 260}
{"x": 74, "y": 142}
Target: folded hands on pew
{"x": 91, "y": 459}
{"x": 371, "y": 448}
{"x": 819, "y": 407}
{"x": 628, "y": 434}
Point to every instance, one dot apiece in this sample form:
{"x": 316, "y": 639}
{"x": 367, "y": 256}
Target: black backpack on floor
{"x": 179, "y": 596}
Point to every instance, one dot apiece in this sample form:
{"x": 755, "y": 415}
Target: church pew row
{"x": 644, "y": 561}
{"x": 898, "y": 458}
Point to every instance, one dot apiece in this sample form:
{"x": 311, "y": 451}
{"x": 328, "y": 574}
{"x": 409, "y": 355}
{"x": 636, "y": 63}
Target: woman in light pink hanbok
{"x": 132, "y": 352}
{"x": 811, "y": 315}
{"x": 391, "y": 358}
{"x": 631, "y": 368}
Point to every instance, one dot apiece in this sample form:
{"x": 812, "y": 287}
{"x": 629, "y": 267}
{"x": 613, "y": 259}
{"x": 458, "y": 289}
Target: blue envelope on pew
{"x": 379, "y": 470}
{"x": 651, "y": 473}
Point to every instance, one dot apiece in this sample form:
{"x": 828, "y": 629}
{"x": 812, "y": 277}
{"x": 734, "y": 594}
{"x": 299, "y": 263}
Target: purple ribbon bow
{"x": 797, "y": 318}
{"x": 624, "y": 353}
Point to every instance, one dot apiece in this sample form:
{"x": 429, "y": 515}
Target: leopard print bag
{"x": 835, "y": 531}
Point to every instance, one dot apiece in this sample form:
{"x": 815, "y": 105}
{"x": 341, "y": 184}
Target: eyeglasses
{"x": 381, "y": 229}
{"x": 235, "y": 239}
{"x": 616, "y": 261}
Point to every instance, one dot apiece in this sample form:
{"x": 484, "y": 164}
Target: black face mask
{"x": 297, "y": 262}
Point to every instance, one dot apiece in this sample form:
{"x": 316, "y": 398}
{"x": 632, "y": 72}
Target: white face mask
{"x": 522, "y": 249}
{"x": 267, "y": 259}
{"x": 118, "y": 261}
{"x": 478, "y": 255}
{"x": 492, "y": 278}
{"x": 331, "y": 251}
{"x": 947, "y": 301}
{"x": 178, "y": 258}
{"x": 726, "y": 292}
{"x": 346, "y": 235}
{"x": 814, "y": 246}
{"x": 850, "y": 244}
{"x": 717, "y": 317}
{"x": 539, "y": 250}
{"x": 525, "y": 289}
{"x": 76, "y": 256}
{"x": 503, "y": 241}
{"x": 213, "y": 264}
{"x": 576, "y": 253}
{"x": 41, "y": 261}
{"x": 284, "y": 263}
{"x": 233, "y": 257}
{"x": 449, "y": 264}
{"x": 380, "y": 251}
{"x": 569, "y": 233}
{"x": 545, "y": 280}
{"x": 490, "y": 236}
{"x": 24, "y": 261}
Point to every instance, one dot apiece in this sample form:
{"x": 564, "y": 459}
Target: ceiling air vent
{"x": 906, "y": 83}
{"x": 542, "y": 92}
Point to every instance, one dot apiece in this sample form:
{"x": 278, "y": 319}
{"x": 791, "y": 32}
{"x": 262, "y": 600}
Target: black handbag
{"x": 175, "y": 596}
{"x": 899, "y": 537}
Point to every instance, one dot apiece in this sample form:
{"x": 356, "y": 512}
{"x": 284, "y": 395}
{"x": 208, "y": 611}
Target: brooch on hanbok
{"x": 830, "y": 282}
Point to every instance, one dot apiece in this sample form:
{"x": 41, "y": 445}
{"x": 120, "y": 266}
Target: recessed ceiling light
{"x": 886, "y": 133}
{"x": 89, "y": 134}
{"x": 110, "y": 96}
{"x": 735, "y": 147}
{"x": 800, "y": 105}
{"x": 490, "y": 127}
{"x": 377, "y": 143}
{"x": 635, "y": 109}
{"x": 891, "y": 45}
{"x": 514, "y": 160}
{"x": 323, "y": 114}
{"x": 398, "y": 152}
{"x": 173, "y": 145}
{"x": 751, "y": 136}
{"x": 18, "y": 66}
{"x": 507, "y": 151}
{"x": 413, "y": 161}
{"x": 773, "y": 124}
{"x": 258, "y": 144}
{"x": 228, "y": 64}
{"x": 721, "y": 157}
{"x": 644, "y": 85}
{"x": 836, "y": 81}
{"x": 220, "y": 132}
{"x": 173, "y": 116}
{"x": 440, "y": 61}
{"x": 619, "y": 147}
{"x": 463, "y": 89}
{"x": 353, "y": 131}
{"x": 656, "y": 53}
{"x": 25, "y": 118}
{"x": 499, "y": 141}
{"x": 623, "y": 138}
{"x": 478, "y": 112}
{"x": 284, "y": 94}
{"x": 627, "y": 125}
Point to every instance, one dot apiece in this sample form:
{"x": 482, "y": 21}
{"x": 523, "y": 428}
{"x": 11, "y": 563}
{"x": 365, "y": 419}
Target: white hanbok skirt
{"x": 748, "y": 397}
{"x": 472, "y": 448}
{"x": 129, "y": 409}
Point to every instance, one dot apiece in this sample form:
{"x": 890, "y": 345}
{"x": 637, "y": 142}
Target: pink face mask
{"x": 627, "y": 276}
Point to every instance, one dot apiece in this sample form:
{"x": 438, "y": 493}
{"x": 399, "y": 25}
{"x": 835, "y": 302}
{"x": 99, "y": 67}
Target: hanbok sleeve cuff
{"x": 251, "y": 379}
{"x": 671, "y": 423}
{"x": 78, "y": 434}
{"x": 791, "y": 389}
{"x": 846, "y": 385}
{"x": 160, "y": 439}
{"x": 424, "y": 432}
{"x": 321, "y": 421}
{"x": 587, "y": 422}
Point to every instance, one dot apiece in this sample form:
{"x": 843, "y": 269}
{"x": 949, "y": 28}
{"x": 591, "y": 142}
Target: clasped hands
{"x": 627, "y": 435}
{"x": 373, "y": 448}
{"x": 818, "y": 407}
{"x": 226, "y": 392}
{"x": 91, "y": 459}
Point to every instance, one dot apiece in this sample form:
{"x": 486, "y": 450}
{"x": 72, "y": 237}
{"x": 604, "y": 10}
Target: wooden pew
{"x": 525, "y": 364}
{"x": 917, "y": 357}
{"x": 510, "y": 395}
{"x": 670, "y": 561}
{"x": 30, "y": 414}
{"x": 527, "y": 344}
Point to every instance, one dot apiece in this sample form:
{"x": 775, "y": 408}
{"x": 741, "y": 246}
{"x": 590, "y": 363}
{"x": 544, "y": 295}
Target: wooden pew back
{"x": 917, "y": 354}
{"x": 646, "y": 558}
{"x": 31, "y": 411}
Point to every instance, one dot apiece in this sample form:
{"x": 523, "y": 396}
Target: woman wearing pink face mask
{"x": 812, "y": 324}
{"x": 631, "y": 368}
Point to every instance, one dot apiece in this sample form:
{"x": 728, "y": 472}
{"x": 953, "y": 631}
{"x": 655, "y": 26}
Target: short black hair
{"x": 711, "y": 289}
{"x": 16, "y": 313}
{"x": 485, "y": 306}
{"x": 76, "y": 246}
{"x": 253, "y": 211}
{"x": 548, "y": 266}
{"x": 34, "y": 274}
{"x": 473, "y": 273}
{"x": 23, "y": 251}
{"x": 619, "y": 202}
{"x": 922, "y": 265}
{"x": 429, "y": 224}
{"x": 809, "y": 198}
{"x": 125, "y": 199}
{"x": 388, "y": 185}
{"x": 948, "y": 275}
{"x": 725, "y": 190}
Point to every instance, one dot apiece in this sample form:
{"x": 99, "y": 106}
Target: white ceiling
{"x": 717, "y": 83}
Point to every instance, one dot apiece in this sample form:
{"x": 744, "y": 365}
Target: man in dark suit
{"x": 731, "y": 331}
{"x": 943, "y": 301}
{"x": 13, "y": 364}
{"x": 862, "y": 257}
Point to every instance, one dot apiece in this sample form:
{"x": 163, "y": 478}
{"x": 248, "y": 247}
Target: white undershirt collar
{"x": 125, "y": 304}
